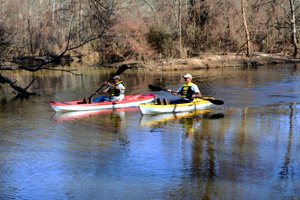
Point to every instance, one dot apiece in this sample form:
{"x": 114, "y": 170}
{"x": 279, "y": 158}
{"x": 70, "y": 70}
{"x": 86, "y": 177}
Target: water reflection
{"x": 68, "y": 116}
{"x": 201, "y": 165}
{"x": 242, "y": 156}
{"x": 248, "y": 149}
{"x": 160, "y": 119}
{"x": 287, "y": 172}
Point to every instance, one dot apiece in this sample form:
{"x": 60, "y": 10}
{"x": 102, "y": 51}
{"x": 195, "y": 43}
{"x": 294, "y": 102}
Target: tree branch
{"x": 21, "y": 92}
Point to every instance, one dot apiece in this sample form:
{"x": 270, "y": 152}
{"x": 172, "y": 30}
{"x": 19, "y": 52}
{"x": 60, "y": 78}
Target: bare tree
{"x": 293, "y": 26}
{"x": 41, "y": 45}
{"x": 248, "y": 42}
{"x": 288, "y": 21}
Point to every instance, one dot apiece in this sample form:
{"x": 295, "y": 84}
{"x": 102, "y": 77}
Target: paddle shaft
{"x": 121, "y": 69}
{"x": 97, "y": 90}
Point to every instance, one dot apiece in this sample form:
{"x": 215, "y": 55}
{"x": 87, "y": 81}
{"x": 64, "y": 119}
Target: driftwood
{"x": 21, "y": 92}
{"x": 33, "y": 64}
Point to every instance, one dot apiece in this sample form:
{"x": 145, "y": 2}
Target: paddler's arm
{"x": 175, "y": 92}
{"x": 197, "y": 95}
{"x": 106, "y": 83}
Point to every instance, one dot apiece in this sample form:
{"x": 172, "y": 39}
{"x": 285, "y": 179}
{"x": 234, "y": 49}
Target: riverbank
{"x": 204, "y": 61}
{"x": 212, "y": 61}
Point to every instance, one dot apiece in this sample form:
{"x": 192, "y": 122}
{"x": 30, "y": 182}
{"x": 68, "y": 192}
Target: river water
{"x": 247, "y": 149}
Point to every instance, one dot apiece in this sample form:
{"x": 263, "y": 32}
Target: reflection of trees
{"x": 201, "y": 167}
{"x": 287, "y": 169}
{"x": 117, "y": 121}
{"x": 203, "y": 157}
{"x": 206, "y": 164}
{"x": 241, "y": 136}
{"x": 203, "y": 160}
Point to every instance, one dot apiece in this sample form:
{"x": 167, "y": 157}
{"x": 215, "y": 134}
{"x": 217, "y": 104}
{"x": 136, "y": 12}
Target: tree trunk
{"x": 294, "y": 28}
{"x": 180, "y": 30}
{"x": 248, "y": 45}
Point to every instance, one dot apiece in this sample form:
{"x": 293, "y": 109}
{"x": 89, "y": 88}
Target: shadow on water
{"x": 214, "y": 116}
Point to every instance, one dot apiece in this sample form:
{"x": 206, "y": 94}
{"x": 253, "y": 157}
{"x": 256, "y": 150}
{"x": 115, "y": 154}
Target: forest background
{"x": 35, "y": 34}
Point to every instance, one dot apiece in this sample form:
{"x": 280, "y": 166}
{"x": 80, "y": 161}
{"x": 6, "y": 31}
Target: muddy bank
{"x": 213, "y": 61}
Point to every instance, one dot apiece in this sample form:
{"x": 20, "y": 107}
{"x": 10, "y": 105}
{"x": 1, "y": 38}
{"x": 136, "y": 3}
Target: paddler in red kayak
{"x": 115, "y": 91}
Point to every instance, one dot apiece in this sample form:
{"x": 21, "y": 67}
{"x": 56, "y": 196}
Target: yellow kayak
{"x": 196, "y": 104}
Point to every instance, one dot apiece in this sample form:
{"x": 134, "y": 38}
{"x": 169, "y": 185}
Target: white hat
{"x": 187, "y": 76}
{"x": 116, "y": 77}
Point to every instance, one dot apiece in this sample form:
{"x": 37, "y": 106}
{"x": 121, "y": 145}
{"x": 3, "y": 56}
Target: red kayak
{"x": 128, "y": 101}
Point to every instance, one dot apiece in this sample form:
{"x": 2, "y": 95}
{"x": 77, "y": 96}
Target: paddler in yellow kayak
{"x": 188, "y": 91}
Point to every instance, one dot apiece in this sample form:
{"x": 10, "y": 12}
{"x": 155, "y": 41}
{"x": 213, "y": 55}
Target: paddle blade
{"x": 155, "y": 88}
{"x": 215, "y": 101}
{"x": 121, "y": 69}
{"x": 83, "y": 101}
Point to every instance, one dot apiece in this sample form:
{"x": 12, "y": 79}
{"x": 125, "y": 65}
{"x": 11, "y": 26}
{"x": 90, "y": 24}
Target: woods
{"x": 35, "y": 34}
{"x": 136, "y": 29}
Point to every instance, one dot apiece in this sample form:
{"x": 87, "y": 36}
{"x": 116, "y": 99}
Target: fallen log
{"x": 21, "y": 92}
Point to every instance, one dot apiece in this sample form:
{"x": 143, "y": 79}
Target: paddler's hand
{"x": 107, "y": 83}
{"x": 172, "y": 92}
{"x": 196, "y": 95}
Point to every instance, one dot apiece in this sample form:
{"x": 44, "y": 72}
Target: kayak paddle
{"x": 121, "y": 69}
{"x": 157, "y": 88}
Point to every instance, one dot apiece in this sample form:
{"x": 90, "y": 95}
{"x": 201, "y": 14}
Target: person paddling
{"x": 188, "y": 91}
{"x": 115, "y": 91}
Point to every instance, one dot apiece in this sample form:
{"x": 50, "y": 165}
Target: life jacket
{"x": 115, "y": 93}
{"x": 187, "y": 91}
